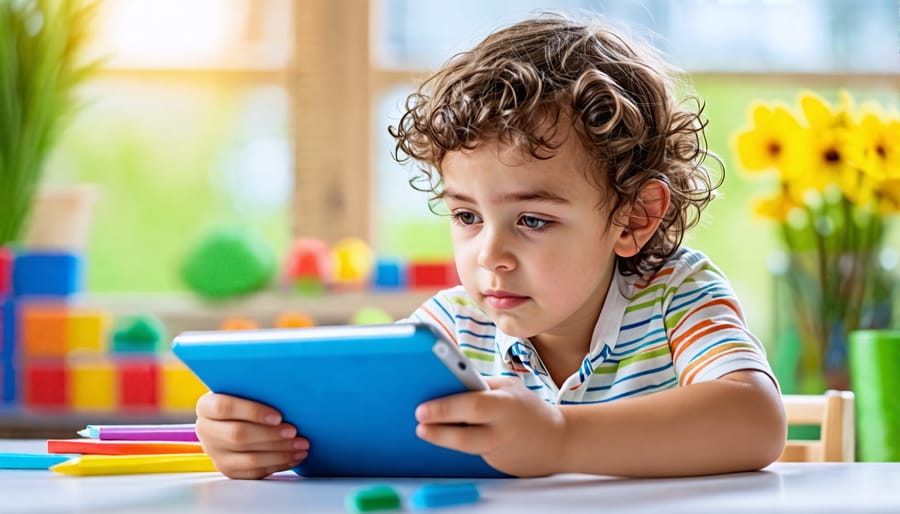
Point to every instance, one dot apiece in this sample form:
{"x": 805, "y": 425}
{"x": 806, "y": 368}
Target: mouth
{"x": 501, "y": 300}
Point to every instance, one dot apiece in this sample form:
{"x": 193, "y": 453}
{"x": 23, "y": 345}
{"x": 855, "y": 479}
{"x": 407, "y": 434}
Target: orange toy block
{"x": 46, "y": 385}
{"x": 43, "y": 329}
{"x": 86, "y": 331}
{"x": 239, "y": 324}
{"x": 94, "y": 385}
{"x": 138, "y": 384}
{"x": 294, "y": 320}
{"x": 180, "y": 388}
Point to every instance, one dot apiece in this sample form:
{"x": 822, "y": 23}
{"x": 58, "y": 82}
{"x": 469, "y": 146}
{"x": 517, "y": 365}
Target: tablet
{"x": 351, "y": 390}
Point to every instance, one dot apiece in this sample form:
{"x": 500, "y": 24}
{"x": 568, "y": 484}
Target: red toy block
{"x": 138, "y": 384}
{"x": 432, "y": 275}
{"x": 308, "y": 258}
{"x": 6, "y": 263}
{"x": 43, "y": 329}
{"x": 46, "y": 384}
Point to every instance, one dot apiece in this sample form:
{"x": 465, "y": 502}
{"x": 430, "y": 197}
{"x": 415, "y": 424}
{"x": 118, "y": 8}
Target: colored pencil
{"x": 100, "y": 447}
{"x": 90, "y": 465}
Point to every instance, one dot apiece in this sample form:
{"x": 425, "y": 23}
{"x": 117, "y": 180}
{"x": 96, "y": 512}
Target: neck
{"x": 563, "y": 349}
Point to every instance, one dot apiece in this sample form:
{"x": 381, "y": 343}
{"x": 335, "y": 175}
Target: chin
{"x": 512, "y": 328}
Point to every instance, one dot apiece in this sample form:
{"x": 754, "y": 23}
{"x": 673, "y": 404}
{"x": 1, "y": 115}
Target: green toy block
{"x": 379, "y": 497}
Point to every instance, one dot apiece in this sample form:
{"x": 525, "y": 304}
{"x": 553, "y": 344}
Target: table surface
{"x": 837, "y": 487}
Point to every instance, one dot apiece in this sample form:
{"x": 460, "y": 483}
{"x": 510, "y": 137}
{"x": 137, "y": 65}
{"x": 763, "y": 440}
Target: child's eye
{"x": 533, "y": 222}
{"x": 465, "y": 217}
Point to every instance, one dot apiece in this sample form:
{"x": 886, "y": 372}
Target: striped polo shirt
{"x": 681, "y": 325}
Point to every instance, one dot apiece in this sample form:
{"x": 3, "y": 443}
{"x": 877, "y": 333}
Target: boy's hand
{"x": 513, "y": 429}
{"x": 246, "y": 439}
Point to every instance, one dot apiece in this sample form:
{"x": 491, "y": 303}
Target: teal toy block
{"x": 45, "y": 273}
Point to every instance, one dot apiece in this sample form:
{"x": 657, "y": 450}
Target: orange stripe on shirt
{"x": 708, "y": 326}
{"x": 718, "y": 301}
{"x": 439, "y": 322}
{"x": 693, "y": 369}
{"x": 660, "y": 273}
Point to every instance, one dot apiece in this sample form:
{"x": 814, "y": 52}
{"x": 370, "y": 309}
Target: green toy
{"x": 379, "y": 497}
{"x": 138, "y": 333}
{"x": 229, "y": 262}
{"x": 371, "y": 316}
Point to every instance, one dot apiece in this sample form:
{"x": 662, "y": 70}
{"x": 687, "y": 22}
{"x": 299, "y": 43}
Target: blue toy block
{"x": 8, "y": 351}
{"x": 47, "y": 274}
{"x": 8, "y": 383}
{"x": 432, "y": 496}
{"x": 389, "y": 274}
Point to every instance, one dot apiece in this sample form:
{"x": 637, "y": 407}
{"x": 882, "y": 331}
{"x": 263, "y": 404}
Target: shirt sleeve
{"x": 708, "y": 336}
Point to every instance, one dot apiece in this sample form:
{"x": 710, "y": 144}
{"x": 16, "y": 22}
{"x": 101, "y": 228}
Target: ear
{"x": 642, "y": 218}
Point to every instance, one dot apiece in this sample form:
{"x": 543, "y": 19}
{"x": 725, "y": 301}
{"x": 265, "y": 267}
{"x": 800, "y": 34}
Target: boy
{"x": 570, "y": 173}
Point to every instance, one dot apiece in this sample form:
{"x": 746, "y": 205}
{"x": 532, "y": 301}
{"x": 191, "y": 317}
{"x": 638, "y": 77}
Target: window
{"x": 187, "y": 125}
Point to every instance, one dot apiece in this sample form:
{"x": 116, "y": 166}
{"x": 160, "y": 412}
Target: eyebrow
{"x": 516, "y": 196}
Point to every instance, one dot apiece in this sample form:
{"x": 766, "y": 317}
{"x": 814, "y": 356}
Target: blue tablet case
{"x": 352, "y": 391}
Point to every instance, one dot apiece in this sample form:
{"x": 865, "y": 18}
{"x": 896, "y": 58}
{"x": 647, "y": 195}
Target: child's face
{"x": 531, "y": 241}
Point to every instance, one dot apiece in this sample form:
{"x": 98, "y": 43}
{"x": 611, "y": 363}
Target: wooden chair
{"x": 833, "y": 412}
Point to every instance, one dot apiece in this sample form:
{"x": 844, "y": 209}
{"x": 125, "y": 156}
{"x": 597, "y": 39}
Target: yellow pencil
{"x": 132, "y": 464}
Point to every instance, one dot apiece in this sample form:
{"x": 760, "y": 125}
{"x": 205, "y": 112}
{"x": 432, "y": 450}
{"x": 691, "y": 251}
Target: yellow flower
{"x": 879, "y": 142}
{"x": 775, "y": 207}
{"x": 888, "y": 195}
{"x": 829, "y": 145}
{"x": 771, "y": 142}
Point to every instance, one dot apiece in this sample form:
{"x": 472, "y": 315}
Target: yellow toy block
{"x": 180, "y": 388}
{"x": 93, "y": 385}
{"x": 86, "y": 331}
{"x": 43, "y": 329}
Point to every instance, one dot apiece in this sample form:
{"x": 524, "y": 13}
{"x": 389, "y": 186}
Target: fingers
{"x": 475, "y": 439}
{"x": 225, "y": 407}
{"x": 246, "y": 439}
{"x": 241, "y": 435}
{"x": 474, "y": 408}
{"x": 257, "y": 464}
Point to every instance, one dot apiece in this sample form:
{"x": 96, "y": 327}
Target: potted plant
{"x": 40, "y": 43}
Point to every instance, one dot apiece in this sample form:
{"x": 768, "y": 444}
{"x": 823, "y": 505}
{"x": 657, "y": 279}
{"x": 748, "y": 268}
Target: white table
{"x": 839, "y": 488}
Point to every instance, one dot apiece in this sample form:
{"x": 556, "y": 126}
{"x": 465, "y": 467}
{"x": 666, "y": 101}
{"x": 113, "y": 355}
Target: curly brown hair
{"x": 618, "y": 95}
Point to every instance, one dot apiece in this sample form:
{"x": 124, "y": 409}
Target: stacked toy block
{"x": 60, "y": 357}
{"x": 312, "y": 267}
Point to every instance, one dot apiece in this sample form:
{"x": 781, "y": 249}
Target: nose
{"x": 495, "y": 252}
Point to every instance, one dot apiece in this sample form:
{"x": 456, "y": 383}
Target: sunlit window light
{"x": 168, "y": 33}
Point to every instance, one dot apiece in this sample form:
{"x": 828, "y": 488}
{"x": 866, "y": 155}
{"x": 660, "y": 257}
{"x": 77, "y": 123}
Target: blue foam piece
{"x": 389, "y": 274}
{"x": 432, "y": 496}
{"x": 31, "y": 460}
{"x": 47, "y": 274}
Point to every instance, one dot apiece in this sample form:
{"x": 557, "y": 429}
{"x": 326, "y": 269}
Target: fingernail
{"x": 272, "y": 419}
{"x": 287, "y": 433}
{"x": 301, "y": 444}
{"x": 421, "y": 412}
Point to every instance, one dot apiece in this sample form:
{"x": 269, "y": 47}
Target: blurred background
{"x": 272, "y": 115}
